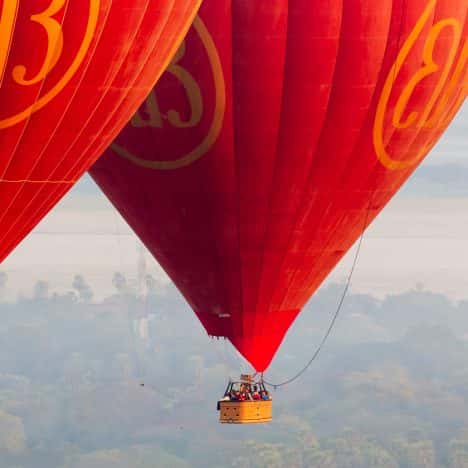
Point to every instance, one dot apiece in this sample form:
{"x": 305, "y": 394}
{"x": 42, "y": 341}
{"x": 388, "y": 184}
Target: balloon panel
{"x": 277, "y": 134}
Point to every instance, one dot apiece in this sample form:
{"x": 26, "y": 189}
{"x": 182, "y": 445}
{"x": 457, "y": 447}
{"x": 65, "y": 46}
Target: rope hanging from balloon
{"x": 334, "y": 318}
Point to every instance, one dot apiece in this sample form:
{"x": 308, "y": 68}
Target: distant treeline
{"x": 390, "y": 389}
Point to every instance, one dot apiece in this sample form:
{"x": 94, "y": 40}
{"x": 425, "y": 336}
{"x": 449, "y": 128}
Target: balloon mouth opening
{"x": 257, "y": 344}
{"x": 257, "y": 350}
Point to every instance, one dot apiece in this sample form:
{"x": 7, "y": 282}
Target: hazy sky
{"x": 420, "y": 237}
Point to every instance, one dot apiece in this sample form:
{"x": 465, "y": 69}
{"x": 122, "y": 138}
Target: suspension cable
{"x": 333, "y": 321}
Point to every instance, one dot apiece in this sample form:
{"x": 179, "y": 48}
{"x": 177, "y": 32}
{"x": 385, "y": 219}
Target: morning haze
{"x": 102, "y": 364}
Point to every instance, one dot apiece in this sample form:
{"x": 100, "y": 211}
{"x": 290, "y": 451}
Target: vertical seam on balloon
{"x": 358, "y": 141}
{"x": 326, "y": 210}
{"x": 398, "y": 48}
{"x": 41, "y": 154}
{"x": 150, "y": 53}
{"x": 235, "y": 320}
{"x": 400, "y": 34}
{"x": 343, "y": 218}
{"x": 225, "y": 325}
{"x": 381, "y": 75}
{"x": 318, "y": 260}
{"x": 327, "y": 243}
{"x": 306, "y": 185}
{"x": 17, "y": 144}
{"x": 377, "y": 163}
{"x": 298, "y": 211}
{"x": 266, "y": 313}
{"x": 221, "y": 291}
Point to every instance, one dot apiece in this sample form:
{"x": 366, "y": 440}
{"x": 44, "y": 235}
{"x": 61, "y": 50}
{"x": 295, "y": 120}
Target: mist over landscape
{"x": 389, "y": 389}
{"x": 104, "y": 365}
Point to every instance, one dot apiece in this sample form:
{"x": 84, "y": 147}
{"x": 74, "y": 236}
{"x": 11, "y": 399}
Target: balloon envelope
{"x": 71, "y": 75}
{"x": 277, "y": 134}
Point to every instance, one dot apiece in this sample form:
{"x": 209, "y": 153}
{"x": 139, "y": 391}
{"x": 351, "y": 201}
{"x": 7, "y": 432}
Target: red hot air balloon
{"x": 278, "y": 132}
{"x": 72, "y": 72}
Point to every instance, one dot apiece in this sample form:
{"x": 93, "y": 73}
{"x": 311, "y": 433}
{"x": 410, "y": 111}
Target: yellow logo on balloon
{"x": 192, "y": 90}
{"x": 194, "y": 96}
{"x": 437, "y": 111}
{"x": 53, "y": 30}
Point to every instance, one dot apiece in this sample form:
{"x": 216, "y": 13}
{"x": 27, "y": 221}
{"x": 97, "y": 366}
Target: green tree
{"x": 12, "y": 435}
{"x": 354, "y": 450}
{"x": 458, "y": 451}
{"x": 415, "y": 453}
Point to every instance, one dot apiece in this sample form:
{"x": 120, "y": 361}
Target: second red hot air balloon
{"x": 278, "y": 132}
{"x": 72, "y": 72}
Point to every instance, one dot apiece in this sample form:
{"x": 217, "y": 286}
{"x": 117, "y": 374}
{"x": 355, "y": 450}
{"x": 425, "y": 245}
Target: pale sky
{"x": 420, "y": 237}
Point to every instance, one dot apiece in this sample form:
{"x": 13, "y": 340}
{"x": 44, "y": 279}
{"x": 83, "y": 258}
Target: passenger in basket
{"x": 255, "y": 394}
